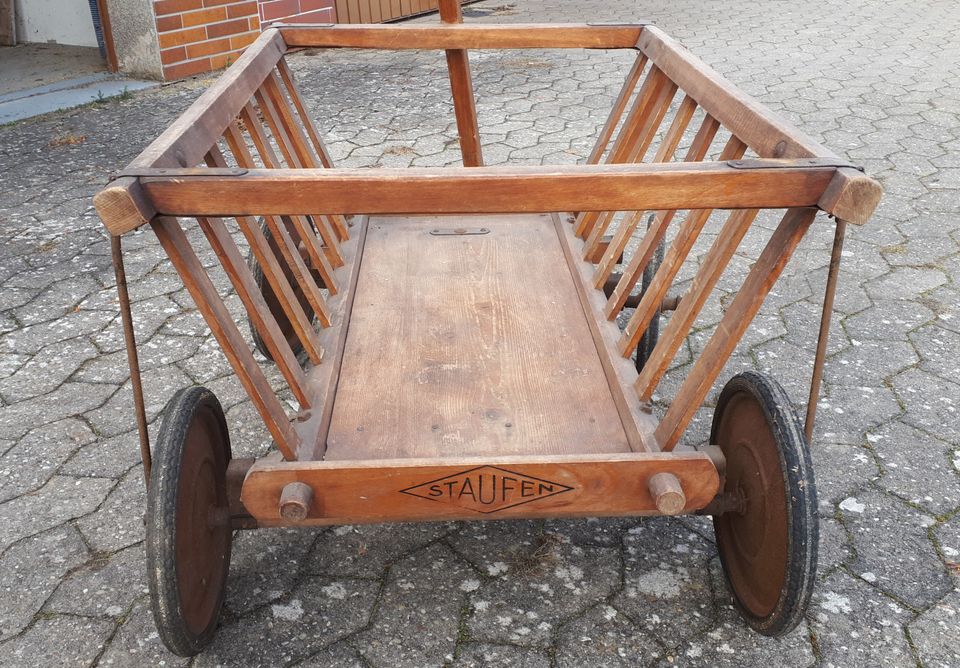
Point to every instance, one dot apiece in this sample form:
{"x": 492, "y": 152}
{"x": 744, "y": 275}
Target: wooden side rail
{"x": 464, "y": 36}
{"x": 713, "y": 185}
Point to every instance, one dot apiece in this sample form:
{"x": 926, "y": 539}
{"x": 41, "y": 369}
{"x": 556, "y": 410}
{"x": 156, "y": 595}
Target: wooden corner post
{"x": 461, "y": 85}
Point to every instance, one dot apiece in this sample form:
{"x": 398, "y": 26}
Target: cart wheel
{"x": 652, "y": 334}
{"x": 768, "y": 546}
{"x": 286, "y": 328}
{"x": 188, "y": 521}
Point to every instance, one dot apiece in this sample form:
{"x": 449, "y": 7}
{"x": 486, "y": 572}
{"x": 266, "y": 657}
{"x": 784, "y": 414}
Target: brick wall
{"x": 202, "y": 35}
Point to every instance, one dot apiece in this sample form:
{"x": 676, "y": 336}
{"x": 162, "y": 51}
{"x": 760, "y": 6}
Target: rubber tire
{"x": 650, "y": 337}
{"x": 161, "y": 520}
{"x": 801, "y": 494}
{"x": 267, "y": 291}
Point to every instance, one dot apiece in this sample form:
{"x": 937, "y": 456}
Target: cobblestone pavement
{"x": 879, "y": 82}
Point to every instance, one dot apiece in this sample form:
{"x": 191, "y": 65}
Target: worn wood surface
{"x": 354, "y": 492}
{"x": 521, "y": 189}
{"x": 465, "y": 36}
{"x": 469, "y": 345}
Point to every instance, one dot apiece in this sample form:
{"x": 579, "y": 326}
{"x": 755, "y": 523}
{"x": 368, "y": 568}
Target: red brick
{"x": 223, "y": 60}
{"x": 209, "y": 48}
{"x": 217, "y": 3}
{"x": 169, "y": 23}
{"x": 174, "y": 55}
{"x": 243, "y": 9}
{"x": 204, "y": 16}
{"x": 227, "y": 28}
{"x": 181, "y": 37}
{"x": 162, "y": 7}
{"x": 241, "y": 41}
{"x": 189, "y": 68}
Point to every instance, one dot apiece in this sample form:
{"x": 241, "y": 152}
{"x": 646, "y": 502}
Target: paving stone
{"x": 118, "y": 523}
{"x": 106, "y": 458}
{"x": 532, "y": 580}
{"x": 936, "y": 633}
{"x": 418, "y": 619}
{"x": 105, "y": 586}
{"x": 137, "y": 643}
{"x": 931, "y": 403}
{"x": 43, "y": 644}
{"x": 733, "y": 643}
{"x": 893, "y": 549}
{"x": 68, "y": 400}
{"x": 265, "y": 565}
{"x": 888, "y": 320}
{"x": 840, "y": 469}
{"x": 60, "y": 499}
{"x": 482, "y": 655}
{"x": 603, "y": 636}
{"x": 36, "y": 457}
{"x": 917, "y": 467}
{"x": 117, "y": 416}
{"x": 666, "y": 580}
{"x": 319, "y": 612}
{"x": 340, "y": 655}
{"x": 365, "y": 550}
{"x": 31, "y": 570}
{"x": 853, "y": 624}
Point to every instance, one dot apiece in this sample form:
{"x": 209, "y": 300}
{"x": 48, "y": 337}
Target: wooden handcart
{"x": 450, "y": 335}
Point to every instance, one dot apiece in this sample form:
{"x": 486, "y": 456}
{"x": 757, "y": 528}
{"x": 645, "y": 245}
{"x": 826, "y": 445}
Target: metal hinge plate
{"x": 798, "y": 163}
{"x": 178, "y": 172}
{"x": 458, "y": 231}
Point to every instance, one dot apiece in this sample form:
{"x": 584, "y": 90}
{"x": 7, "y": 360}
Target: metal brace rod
{"x": 133, "y": 360}
{"x": 828, "y": 298}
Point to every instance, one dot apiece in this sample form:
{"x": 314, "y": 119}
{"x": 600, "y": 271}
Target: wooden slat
{"x": 637, "y": 422}
{"x": 272, "y": 271}
{"x": 616, "y": 113}
{"x": 354, "y": 492}
{"x": 615, "y": 248}
{"x": 638, "y": 151}
{"x": 461, "y": 87}
{"x": 465, "y": 36}
{"x": 764, "y": 273}
{"x": 279, "y": 115}
{"x": 628, "y": 136}
{"x": 287, "y": 76}
{"x": 325, "y": 378}
{"x": 674, "y": 258}
{"x": 681, "y": 321}
{"x": 708, "y": 185}
{"x": 317, "y": 255}
{"x": 239, "y": 274}
{"x": 658, "y": 228}
{"x": 221, "y": 323}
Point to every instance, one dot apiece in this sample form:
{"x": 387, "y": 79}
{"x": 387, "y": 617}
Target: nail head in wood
{"x": 295, "y": 501}
{"x": 667, "y": 493}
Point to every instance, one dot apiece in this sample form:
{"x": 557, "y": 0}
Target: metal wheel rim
{"x": 753, "y": 544}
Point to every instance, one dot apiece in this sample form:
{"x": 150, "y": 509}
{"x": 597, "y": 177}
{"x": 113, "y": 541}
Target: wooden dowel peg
{"x": 667, "y": 493}
{"x": 295, "y": 501}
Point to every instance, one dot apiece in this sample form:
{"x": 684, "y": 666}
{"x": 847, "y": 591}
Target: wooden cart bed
{"x": 478, "y": 343}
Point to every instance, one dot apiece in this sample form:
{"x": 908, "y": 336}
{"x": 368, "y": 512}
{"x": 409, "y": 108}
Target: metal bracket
{"x": 459, "y": 231}
{"x": 799, "y": 163}
{"x": 178, "y": 172}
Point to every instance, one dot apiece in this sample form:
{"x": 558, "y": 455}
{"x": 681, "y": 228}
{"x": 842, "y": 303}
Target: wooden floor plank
{"x": 469, "y": 345}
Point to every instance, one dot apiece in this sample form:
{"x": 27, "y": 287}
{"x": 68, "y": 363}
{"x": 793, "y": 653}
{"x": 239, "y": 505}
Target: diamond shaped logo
{"x": 486, "y": 489}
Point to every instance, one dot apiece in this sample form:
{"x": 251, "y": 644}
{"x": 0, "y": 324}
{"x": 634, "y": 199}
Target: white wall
{"x": 60, "y": 21}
